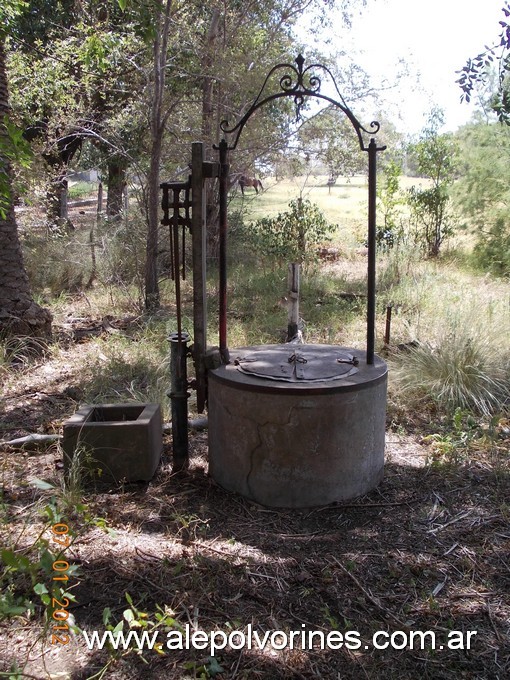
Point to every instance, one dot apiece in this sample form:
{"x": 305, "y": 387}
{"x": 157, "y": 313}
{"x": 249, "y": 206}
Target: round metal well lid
{"x": 297, "y": 363}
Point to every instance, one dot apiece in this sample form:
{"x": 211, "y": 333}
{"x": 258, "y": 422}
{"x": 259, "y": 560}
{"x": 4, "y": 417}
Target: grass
{"x": 433, "y": 301}
{"x": 345, "y": 205}
{"x": 82, "y": 189}
{"x": 425, "y": 550}
{"x": 460, "y": 370}
{"x": 128, "y": 368}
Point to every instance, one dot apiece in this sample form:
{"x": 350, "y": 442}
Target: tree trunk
{"x": 57, "y": 215}
{"x": 19, "y": 314}
{"x": 157, "y": 121}
{"x": 152, "y": 298}
{"x": 211, "y": 188}
{"x": 116, "y": 185}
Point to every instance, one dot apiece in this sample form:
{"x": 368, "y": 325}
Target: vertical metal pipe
{"x": 179, "y": 399}
{"x": 223, "y": 157}
{"x": 387, "y": 332}
{"x": 372, "y": 197}
{"x": 293, "y": 314}
{"x": 199, "y": 249}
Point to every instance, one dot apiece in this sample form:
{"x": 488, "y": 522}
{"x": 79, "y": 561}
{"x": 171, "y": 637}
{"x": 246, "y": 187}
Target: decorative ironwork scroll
{"x": 299, "y": 83}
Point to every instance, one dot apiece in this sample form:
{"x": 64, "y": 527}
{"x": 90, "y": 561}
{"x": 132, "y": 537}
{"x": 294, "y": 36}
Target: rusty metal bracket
{"x": 297, "y": 359}
{"x": 352, "y": 360}
{"x": 210, "y": 169}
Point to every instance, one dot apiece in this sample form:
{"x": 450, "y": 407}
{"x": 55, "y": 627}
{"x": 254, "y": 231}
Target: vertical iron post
{"x": 179, "y": 399}
{"x": 293, "y": 313}
{"x": 198, "y": 236}
{"x": 387, "y": 332}
{"x": 372, "y": 198}
{"x": 223, "y": 158}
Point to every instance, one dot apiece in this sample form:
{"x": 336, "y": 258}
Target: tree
{"x": 191, "y": 68}
{"x": 483, "y": 192}
{"x": 158, "y": 119}
{"x": 389, "y": 206}
{"x": 293, "y": 235}
{"x": 477, "y": 72}
{"x": 76, "y": 82}
{"x": 19, "y": 314}
{"x": 484, "y": 188}
{"x": 436, "y": 158}
{"x": 44, "y": 97}
{"x": 330, "y": 138}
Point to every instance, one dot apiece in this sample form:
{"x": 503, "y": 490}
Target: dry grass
{"x": 426, "y": 551}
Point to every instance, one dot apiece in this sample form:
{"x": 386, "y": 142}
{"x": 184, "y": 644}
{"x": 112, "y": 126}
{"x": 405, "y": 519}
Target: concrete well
{"x": 286, "y": 442}
{"x": 122, "y": 441}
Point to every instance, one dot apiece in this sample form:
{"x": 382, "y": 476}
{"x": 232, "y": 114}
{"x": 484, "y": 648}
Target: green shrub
{"x": 492, "y": 251}
{"x": 294, "y": 235}
{"x": 390, "y": 218}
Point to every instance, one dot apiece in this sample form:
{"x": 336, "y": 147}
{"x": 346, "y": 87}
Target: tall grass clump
{"x": 466, "y": 368}
{"x": 57, "y": 264}
{"x": 126, "y": 369}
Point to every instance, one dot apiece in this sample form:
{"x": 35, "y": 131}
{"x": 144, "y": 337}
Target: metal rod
{"x": 293, "y": 313}
{"x": 171, "y": 243}
{"x": 179, "y": 399}
{"x": 223, "y": 158}
{"x": 387, "y": 331}
{"x": 183, "y": 257}
{"x": 199, "y": 248}
{"x": 372, "y": 198}
{"x": 176, "y": 268}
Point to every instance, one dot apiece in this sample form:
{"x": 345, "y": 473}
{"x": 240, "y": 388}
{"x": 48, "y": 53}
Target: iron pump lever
{"x": 176, "y": 215}
{"x": 183, "y": 205}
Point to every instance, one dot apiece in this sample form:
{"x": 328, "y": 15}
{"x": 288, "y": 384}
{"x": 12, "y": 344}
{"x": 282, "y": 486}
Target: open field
{"x": 425, "y": 552}
{"x": 345, "y": 204}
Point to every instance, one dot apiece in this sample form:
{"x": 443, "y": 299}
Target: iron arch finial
{"x": 298, "y": 82}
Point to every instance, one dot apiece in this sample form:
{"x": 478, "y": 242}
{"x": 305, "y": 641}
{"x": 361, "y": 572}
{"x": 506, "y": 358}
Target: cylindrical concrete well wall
{"x": 297, "y": 444}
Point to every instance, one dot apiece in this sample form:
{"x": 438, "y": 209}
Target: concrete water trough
{"x": 115, "y": 441}
{"x": 297, "y": 425}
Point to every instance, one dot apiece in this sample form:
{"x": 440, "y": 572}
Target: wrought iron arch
{"x": 299, "y": 83}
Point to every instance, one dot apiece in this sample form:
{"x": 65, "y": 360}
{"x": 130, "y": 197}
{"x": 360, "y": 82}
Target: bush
{"x": 55, "y": 263}
{"x": 390, "y": 230}
{"x": 294, "y": 235}
{"x": 121, "y": 252}
{"x": 431, "y": 214}
{"x": 462, "y": 370}
{"x": 492, "y": 251}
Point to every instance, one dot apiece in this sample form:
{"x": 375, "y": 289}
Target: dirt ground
{"x": 428, "y": 550}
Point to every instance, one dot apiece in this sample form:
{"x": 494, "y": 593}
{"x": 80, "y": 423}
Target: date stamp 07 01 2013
{"x": 60, "y": 613}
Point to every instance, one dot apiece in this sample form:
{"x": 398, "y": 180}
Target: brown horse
{"x": 245, "y": 181}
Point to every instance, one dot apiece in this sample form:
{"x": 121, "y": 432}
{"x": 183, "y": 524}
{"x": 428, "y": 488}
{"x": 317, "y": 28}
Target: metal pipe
{"x": 293, "y": 314}
{"x": 223, "y": 158}
{"x": 372, "y": 198}
{"x": 179, "y": 399}
{"x": 199, "y": 249}
{"x": 387, "y": 332}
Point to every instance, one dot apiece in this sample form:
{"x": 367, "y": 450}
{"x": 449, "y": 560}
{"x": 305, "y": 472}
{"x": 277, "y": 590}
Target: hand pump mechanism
{"x": 183, "y": 205}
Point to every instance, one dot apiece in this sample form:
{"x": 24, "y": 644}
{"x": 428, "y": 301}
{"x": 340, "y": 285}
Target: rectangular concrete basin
{"x": 115, "y": 441}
